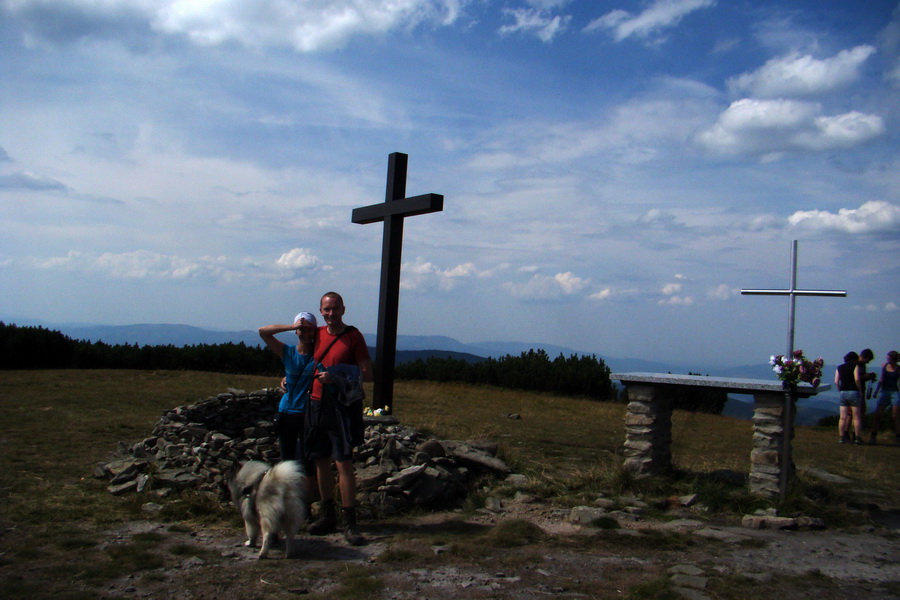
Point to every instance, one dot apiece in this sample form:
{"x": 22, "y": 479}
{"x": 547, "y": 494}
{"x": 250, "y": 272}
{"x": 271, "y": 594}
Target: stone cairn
{"x": 199, "y": 446}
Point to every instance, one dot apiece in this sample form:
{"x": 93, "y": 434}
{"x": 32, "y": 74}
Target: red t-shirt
{"x": 350, "y": 349}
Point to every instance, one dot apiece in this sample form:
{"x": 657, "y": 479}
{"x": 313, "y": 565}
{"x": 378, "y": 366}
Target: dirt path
{"x": 416, "y": 559}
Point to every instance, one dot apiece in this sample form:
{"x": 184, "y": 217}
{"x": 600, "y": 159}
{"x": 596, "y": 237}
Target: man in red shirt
{"x": 335, "y": 429}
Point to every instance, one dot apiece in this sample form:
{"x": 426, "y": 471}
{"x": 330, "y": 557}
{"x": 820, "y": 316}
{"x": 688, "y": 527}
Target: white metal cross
{"x": 793, "y": 292}
{"x": 787, "y": 418}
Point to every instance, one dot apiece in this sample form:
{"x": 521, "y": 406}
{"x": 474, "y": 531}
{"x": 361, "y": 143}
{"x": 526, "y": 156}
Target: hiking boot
{"x": 844, "y": 439}
{"x": 325, "y": 524}
{"x": 858, "y": 441}
{"x": 351, "y": 529}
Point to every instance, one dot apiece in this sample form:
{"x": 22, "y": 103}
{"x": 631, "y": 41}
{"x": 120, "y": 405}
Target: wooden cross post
{"x": 392, "y": 211}
{"x": 787, "y": 418}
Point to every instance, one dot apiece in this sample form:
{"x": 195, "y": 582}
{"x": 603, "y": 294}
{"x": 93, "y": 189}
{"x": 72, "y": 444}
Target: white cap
{"x": 308, "y": 317}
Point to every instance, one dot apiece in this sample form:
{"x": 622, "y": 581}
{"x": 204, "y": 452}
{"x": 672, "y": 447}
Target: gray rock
{"x": 685, "y": 570}
{"x": 689, "y": 581}
{"x": 585, "y": 515}
{"x": 720, "y": 535}
{"x": 517, "y": 480}
{"x": 198, "y": 446}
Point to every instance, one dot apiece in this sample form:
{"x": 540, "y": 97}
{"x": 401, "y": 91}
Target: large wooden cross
{"x": 392, "y": 211}
{"x": 787, "y": 419}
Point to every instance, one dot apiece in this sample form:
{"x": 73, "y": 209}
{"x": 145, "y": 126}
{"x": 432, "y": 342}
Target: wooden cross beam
{"x": 392, "y": 211}
{"x": 787, "y": 419}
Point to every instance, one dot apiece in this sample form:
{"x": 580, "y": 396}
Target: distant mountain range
{"x": 412, "y": 347}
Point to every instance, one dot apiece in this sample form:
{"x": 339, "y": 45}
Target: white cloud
{"x": 139, "y": 264}
{"x": 308, "y": 27}
{"x": 603, "y": 294}
{"x": 569, "y": 283}
{"x": 149, "y": 265}
{"x": 305, "y": 26}
{"x": 802, "y": 75}
{"x": 541, "y": 287}
{"x": 661, "y": 14}
{"x": 769, "y": 127}
{"x": 871, "y": 217}
{"x": 676, "y": 301}
{"x": 723, "y": 291}
{"x": 536, "y": 21}
{"x": 298, "y": 259}
{"x": 423, "y": 275}
{"x": 891, "y": 307}
{"x": 671, "y": 288}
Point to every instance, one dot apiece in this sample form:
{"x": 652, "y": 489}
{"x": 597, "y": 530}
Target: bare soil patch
{"x": 443, "y": 556}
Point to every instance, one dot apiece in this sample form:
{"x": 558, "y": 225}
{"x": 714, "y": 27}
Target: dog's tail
{"x": 288, "y": 471}
{"x": 281, "y": 499}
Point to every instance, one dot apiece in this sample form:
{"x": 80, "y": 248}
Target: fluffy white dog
{"x": 271, "y": 500}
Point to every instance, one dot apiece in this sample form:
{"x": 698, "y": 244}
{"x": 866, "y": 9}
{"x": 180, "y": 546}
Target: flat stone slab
{"x": 734, "y": 385}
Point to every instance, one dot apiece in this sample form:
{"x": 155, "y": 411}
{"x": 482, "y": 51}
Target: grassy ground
{"x": 58, "y": 425}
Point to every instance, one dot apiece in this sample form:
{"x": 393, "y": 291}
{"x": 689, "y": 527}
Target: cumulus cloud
{"x": 672, "y": 291}
{"x": 422, "y": 275}
{"x": 138, "y": 264}
{"x": 305, "y": 26}
{"x": 802, "y": 75}
{"x": 660, "y": 15}
{"x": 671, "y": 288}
{"x": 298, "y": 259}
{"x": 603, "y": 294}
{"x": 569, "y": 283}
{"x": 542, "y": 287}
{"x": 537, "y": 21}
{"x": 723, "y": 291}
{"x": 148, "y": 265}
{"x": 769, "y": 127}
{"x": 875, "y": 216}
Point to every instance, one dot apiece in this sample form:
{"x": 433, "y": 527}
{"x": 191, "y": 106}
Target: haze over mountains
{"x": 411, "y": 347}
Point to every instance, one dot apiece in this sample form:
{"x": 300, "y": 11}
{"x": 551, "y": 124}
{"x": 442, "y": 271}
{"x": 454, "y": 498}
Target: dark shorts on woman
{"x": 850, "y": 398}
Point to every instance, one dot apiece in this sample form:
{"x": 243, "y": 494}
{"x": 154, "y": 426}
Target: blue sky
{"x": 614, "y": 171}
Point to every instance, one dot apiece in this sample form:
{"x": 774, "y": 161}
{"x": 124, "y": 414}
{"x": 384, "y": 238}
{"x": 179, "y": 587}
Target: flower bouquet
{"x": 797, "y": 368}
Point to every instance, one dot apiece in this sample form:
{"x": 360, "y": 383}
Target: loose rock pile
{"x": 198, "y": 446}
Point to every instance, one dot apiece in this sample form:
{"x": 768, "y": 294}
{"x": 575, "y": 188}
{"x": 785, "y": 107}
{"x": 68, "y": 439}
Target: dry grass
{"x": 59, "y": 424}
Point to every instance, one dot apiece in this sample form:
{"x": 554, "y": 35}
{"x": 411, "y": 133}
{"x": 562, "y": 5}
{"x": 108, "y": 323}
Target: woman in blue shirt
{"x": 299, "y": 367}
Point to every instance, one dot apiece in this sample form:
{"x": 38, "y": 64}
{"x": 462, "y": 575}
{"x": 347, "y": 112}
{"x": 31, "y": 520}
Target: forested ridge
{"x": 575, "y": 375}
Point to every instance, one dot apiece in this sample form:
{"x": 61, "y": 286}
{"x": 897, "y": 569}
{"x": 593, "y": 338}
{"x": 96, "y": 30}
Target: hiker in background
{"x": 851, "y": 390}
{"x": 865, "y": 357}
{"x": 889, "y": 396}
